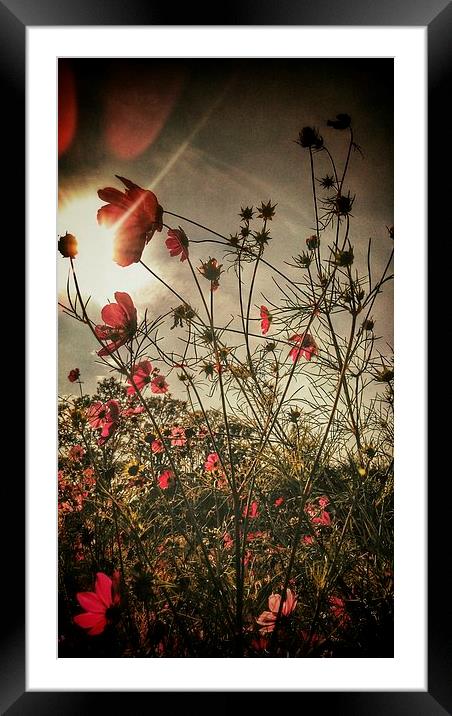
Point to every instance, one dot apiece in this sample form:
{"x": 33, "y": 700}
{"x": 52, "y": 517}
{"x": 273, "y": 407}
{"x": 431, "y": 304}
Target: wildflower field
{"x": 227, "y": 488}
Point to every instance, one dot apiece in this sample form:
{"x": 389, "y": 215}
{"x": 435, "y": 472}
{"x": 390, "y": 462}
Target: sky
{"x": 208, "y": 137}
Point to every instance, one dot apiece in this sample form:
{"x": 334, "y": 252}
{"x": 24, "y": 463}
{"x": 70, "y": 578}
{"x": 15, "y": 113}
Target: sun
{"x": 98, "y": 275}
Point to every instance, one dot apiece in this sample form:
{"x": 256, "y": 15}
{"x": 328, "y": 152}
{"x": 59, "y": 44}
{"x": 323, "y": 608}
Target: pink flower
{"x": 306, "y": 346}
{"x": 267, "y": 620}
{"x": 338, "y": 609}
{"x": 157, "y": 446}
{"x": 212, "y": 464}
{"x": 159, "y": 384}
{"x": 98, "y": 604}
{"x": 308, "y": 539}
{"x": 178, "y": 438}
{"x": 252, "y": 511}
{"x": 141, "y": 375}
{"x": 259, "y": 643}
{"x": 74, "y": 375}
{"x": 228, "y": 542}
{"x": 164, "y": 479}
{"x": 177, "y": 243}
{"x": 323, "y": 519}
{"x": 76, "y": 453}
{"x": 266, "y": 319}
{"x": 323, "y": 501}
{"x": 279, "y": 501}
{"x": 120, "y": 323}
{"x": 104, "y": 417}
{"x": 138, "y": 215}
{"x": 100, "y": 413}
{"x": 130, "y": 412}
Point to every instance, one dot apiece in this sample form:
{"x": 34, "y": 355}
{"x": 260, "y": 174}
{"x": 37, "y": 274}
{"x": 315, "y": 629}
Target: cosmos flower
{"x": 159, "y": 384}
{"x": 164, "y": 479}
{"x": 212, "y": 463}
{"x": 157, "y": 446}
{"x": 252, "y": 511}
{"x": 323, "y": 519}
{"x": 120, "y": 323}
{"x": 131, "y": 412}
{"x": 338, "y": 610}
{"x": 141, "y": 376}
{"x": 74, "y": 375}
{"x": 138, "y": 216}
{"x": 228, "y": 542}
{"x": 266, "y": 319}
{"x": 306, "y": 346}
{"x": 178, "y": 437}
{"x": 342, "y": 121}
{"x": 309, "y": 138}
{"x": 267, "y": 620}
{"x": 177, "y": 243}
{"x": 100, "y": 605}
{"x": 100, "y": 413}
{"x": 76, "y": 453}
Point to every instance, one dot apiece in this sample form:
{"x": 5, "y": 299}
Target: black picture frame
{"x": 15, "y": 17}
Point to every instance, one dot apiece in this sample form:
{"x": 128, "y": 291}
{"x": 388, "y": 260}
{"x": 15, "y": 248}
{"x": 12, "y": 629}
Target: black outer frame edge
{"x": 13, "y": 23}
{"x": 439, "y": 535}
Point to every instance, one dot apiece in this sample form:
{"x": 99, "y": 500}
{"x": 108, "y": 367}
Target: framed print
{"x": 212, "y": 530}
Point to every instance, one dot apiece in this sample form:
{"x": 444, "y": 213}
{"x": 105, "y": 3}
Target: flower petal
{"x": 127, "y": 305}
{"x": 129, "y": 246}
{"x": 114, "y": 315}
{"x": 109, "y": 214}
{"x": 273, "y": 602}
{"x": 113, "y": 196}
{"x": 103, "y": 588}
{"x": 91, "y": 602}
{"x": 88, "y": 620}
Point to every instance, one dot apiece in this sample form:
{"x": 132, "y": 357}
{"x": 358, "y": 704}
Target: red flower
{"x": 228, "y": 542}
{"x": 306, "y": 346}
{"x": 130, "y": 412}
{"x": 76, "y": 453}
{"x": 308, "y": 539}
{"x": 74, "y": 375}
{"x": 322, "y": 519}
{"x": 97, "y": 604}
{"x": 120, "y": 323}
{"x": 104, "y": 417}
{"x": 178, "y": 438}
{"x": 138, "y": 215}
{"x": 323, "y": 501}
{"x": 157, "y": 446}
{"x": 259, "y": 643}
{"x": 252, "y": 511}
{"x": 266, "y": 319}
{"x": 99, "y": 413}
{"x": 159, "y": 384}
{"x": 212, "y": 464}
{"x": 338, "y": 609}
{"x": 141, "y": 375}
{"x": 177, "y": 243}
{"x": 279, "y": 501}
{"x": 164, "y": 479}
{"x": 267, "y": 620}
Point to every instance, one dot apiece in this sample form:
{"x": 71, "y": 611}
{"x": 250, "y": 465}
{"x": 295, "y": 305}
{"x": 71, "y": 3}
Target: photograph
{"x": 224, "y": 257}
